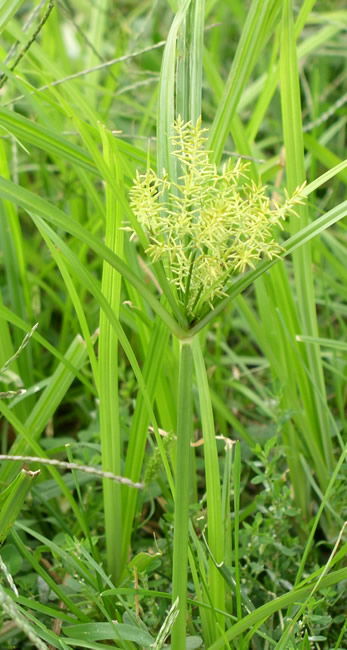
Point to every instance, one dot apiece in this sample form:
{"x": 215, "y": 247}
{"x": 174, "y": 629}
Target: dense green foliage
{"x": 218, "y": 389}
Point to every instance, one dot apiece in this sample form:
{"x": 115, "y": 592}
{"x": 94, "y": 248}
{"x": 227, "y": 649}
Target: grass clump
{"x": 231, "y": 532}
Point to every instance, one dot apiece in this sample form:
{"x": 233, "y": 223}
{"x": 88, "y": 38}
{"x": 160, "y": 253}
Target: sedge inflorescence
{"x": 208, "y": 224}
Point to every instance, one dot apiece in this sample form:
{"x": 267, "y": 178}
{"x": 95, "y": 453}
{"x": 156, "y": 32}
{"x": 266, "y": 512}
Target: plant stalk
{"x": 182, "y": 480}
{"x": 213, "y": 490}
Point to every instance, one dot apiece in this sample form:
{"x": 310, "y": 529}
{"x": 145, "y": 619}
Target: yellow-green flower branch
{"x": 209, "y": 225}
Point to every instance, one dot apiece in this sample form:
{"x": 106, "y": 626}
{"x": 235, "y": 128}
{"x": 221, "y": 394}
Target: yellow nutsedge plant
{"x": 210, "y": 224}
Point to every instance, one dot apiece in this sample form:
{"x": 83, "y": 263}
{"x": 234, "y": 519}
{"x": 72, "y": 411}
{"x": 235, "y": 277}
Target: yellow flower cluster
{"x": 208, "y": 225}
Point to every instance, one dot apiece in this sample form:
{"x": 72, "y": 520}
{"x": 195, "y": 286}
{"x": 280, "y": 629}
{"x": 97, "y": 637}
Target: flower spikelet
{"x": 209, "y": 224}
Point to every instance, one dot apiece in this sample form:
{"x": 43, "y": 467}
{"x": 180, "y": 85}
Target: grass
{"x": 227, "y": 412}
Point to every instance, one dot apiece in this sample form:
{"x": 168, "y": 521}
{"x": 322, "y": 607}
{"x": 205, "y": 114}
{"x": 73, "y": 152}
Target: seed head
{"x": 209, "y": 225}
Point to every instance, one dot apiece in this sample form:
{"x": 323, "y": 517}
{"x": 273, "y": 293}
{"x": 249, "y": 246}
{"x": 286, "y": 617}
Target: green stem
{"x": 182, "y": 479}
{"x": 236, "y": 481}
{"x": 213, "y": 490}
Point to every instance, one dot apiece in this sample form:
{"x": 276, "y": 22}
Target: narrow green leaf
{"x": 339, "y": 167}
{"x": 302, "y": 258}
{"x": 52, "y": 142}
{"x": 155, "y": 356}
{"x": 254, "y": 34}
{"x": 110, "y": 434}
{"x": 12, "y": 500}
{"x": 57, "y": 589}
{"x": 326, "y": 343}
{"x": 261, "y": 614}
{"x": 7, "y": 9}
{"x": 325, "y": 156}
{"x": 166, "y": 103}
{"x": 47, "y": 404}
{"x": 36, "y": 205}
{"x": 115, "y": 631}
